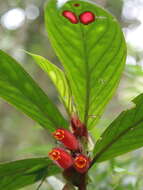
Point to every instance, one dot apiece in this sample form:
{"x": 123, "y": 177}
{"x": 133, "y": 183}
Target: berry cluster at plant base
{"x": 71, "y": 157}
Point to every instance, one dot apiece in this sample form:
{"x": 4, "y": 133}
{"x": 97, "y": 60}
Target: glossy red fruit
{"x": 70, "y": 16}
{"x": 67, "y": 138}
{"x": 78, "y": 127}
{"x": 62, "y": 158}
{"x": 87, "y": 17}
{"x": 81, "y": 163}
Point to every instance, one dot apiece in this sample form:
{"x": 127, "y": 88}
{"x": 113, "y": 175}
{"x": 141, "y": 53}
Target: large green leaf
{"x": 17, "y": 174}
{"x": 93, "y": 55}
{"x": 18, "y": 88}
{"x": 123, "y": 135}
{"x": 59, "y": 80}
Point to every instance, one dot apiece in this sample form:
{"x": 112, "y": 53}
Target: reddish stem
{"x": 82, "y": 187}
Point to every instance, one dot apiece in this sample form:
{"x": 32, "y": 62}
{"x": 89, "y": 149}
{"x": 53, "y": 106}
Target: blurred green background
{"x": 22, "y": 28}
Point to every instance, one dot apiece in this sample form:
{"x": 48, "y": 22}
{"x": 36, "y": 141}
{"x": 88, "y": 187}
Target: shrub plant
{"x": 91, "y": 47}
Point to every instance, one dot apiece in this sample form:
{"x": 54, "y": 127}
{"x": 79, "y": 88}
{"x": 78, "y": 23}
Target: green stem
{"x": 41, "y": 183}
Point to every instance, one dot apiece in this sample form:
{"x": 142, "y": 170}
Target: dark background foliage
{"x": 22, "y": 27}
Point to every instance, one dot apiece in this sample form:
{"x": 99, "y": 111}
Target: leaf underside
{"x": 93, "y": 55}
{"x": 58, "y": 78}
{"x": 123, "y": 135}
{"x": 19, "y": 89}
{"x": 17, "y": 174}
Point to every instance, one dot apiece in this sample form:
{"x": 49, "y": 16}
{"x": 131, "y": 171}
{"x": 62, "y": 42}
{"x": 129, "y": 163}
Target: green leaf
{"x": 124, "y": 134}
{"x": 93, "y": 55}
{"x": 19, "y": 89}
{"x": 59, "y": 80}
{"x": 17, "y": 174}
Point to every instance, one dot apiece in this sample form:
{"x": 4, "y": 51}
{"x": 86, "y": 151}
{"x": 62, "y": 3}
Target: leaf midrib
{"x": 87, "y": 70}
{"x": 87, "y": 75}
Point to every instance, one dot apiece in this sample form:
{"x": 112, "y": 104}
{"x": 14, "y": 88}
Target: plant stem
{"x": 83, "y": 184}
{"x": 82, "y": 187}
{"x": 41, "y": 183}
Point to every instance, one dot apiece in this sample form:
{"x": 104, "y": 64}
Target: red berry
{"x": 81, "y": 163}
{"x": 67, "y": 138}
{"x": 62, "y": 158}
{"x": 70, "y": 16}
{"x": 87, "y": 17}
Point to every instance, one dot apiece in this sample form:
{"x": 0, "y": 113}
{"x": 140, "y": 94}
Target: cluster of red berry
{"x": 72, "y": 156}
